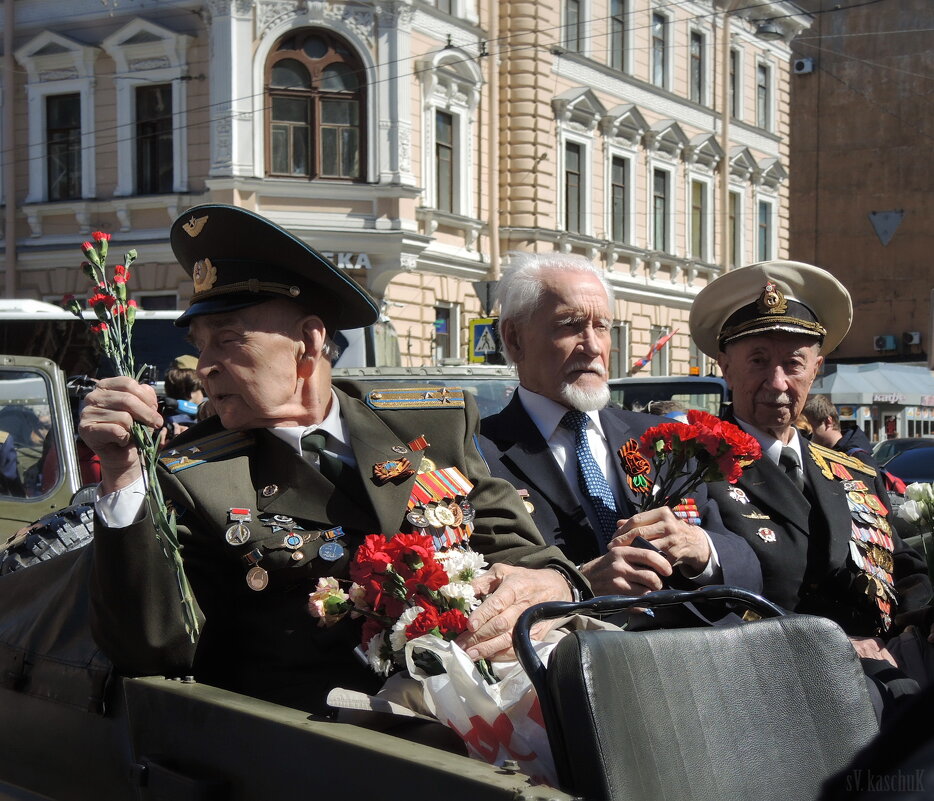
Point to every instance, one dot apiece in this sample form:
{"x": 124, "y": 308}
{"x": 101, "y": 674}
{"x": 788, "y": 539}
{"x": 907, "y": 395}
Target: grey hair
{"x": 520, "y": 289}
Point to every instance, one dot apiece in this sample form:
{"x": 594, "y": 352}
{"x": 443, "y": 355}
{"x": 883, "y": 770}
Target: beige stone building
{"x": 416, "y": 142}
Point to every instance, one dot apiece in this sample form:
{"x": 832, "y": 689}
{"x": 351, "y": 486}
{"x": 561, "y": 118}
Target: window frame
{"x": 667, "y": 246}
{"x": 735, "y": 256}
{"x": 697, "y": 67}
{"x": 769, "y": 230}
{"x": 573, "y": 39}
{"x": 764, "y": 96}
{"x": 699, "y": 250}
{"x": 585, "y": 177}
{"x": 660, "y": 364}
{"x": 454, "y": 322}
{"x": 73, "y": 140}
{"x": 662, "y": 44}
{"x": 618, "y": 35}
{"x": 736, "y": 83}
{"x": 628, "y": 198}
{"x": 314, "y": 99}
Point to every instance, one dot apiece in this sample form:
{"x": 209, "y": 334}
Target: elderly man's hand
{"x": 106, "y": 425}
{"x": 872, "y": 648}
{"x": 627, "y": 570}
{"x": 509, "y": 591}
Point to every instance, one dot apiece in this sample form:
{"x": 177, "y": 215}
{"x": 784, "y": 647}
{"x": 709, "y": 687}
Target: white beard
{"x": 585, "y": 400}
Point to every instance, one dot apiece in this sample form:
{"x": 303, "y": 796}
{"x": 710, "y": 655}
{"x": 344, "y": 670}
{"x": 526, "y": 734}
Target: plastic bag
{"x": 497, "y": 722}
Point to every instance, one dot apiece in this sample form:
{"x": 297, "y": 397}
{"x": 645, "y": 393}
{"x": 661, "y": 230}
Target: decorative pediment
{"x": 666, "y": 136}
{"x": 143, "y": 45}
{"x": 53, "y": 57}
{"x": 772, "y": 172}
{"x": 743, "y": 164}
{"x": 451, "y": 76}
{"x": 624, "y": 122}
{"x": 578, "y": 107}
{"x": 704, "y": 149}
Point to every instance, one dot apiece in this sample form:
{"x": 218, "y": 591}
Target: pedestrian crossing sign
{"x": 483, "y": 339}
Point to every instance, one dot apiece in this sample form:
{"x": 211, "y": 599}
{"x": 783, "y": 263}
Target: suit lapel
{"x": 770, "y": 489}
{"x": 618, "y": 433}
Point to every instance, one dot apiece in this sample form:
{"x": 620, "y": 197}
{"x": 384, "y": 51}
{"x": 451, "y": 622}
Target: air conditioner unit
{"x": 802, "y": 66}
{"x": 911, "y": 337}
{"x": 884, "y": 342}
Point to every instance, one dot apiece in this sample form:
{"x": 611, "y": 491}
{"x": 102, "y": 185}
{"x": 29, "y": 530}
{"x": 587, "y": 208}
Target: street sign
{"x": 486, "y": 292}
{"x": 483, "y": 340}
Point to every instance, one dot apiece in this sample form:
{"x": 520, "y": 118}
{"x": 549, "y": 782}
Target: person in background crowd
{"x": 183, "y": 393}
{"x": 825, "y": 427}
{"x": 556, "y": 442}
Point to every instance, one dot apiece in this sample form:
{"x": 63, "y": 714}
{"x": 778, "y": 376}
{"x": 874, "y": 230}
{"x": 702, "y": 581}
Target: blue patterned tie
{"x": 590, "y": 477}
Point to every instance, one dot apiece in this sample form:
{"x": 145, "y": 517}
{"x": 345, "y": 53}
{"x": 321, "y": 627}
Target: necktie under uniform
{"x": 792, "y": 467}
{"x": 329, "y": 464}
{"x": 590, "y": 477}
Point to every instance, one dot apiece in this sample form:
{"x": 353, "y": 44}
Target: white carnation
{"x": 374, "y": 654}
{"x": 462, "y": 566}
{"x": 397, "y": 635}
{"x": 463, "y": 591}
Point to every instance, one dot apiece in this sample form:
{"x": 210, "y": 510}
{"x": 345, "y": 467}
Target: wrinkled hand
{"x": 509, "y": 591}
{"x": 625, "y": 570}
{"x": 872, "y": 648}
{"x": 106, "y": 427}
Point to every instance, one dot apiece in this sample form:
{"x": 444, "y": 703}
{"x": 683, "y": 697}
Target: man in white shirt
{"x": 556, "y": 442}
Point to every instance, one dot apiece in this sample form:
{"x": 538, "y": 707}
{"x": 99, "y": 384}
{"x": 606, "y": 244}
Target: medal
{"x": 331, "y": 551}
{"x": 293, "y": 541}
{"x": 392, "y": 468}
{"x": 432, "y": 517}
{"x": 469, "y": 512}
{"x": 636, "y": 467}
{"x": 269, "y": 490}
{"x": 457, "y": 513}
{"x": 766, "y": 534}
{"x": 237, "y": 534}
{"x": 417, "y": 519}
{"x": 257, "y": 579}
{"x": 529, "y": 506}
{"x": 427, "y": 466}
{"x": 737, "y": 494}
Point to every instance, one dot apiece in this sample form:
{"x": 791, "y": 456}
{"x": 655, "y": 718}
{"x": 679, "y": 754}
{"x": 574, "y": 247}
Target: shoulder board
{"x": 211, "y": 448}
{"x": 416, "y": 398}
{"x": 825, "y": 457}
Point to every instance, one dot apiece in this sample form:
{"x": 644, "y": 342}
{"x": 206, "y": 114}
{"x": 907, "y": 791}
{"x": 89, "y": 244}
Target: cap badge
{"x": 205, "y": 274}
{"x": 771, "y": 301}
{"x": 194, "y": 226}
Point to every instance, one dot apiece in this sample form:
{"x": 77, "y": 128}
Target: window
{"x": 573, "y": 187}
{"x": 63, "y": 143}
{"x": 619, "y": 350}
{"x": 659, "y": 50}
{"x": 444, "y": 160}
{"x": 660, "y": 210}
{"x": 698, "y": 220}
{"x": 573, "y": 33}
{"x": 154, "y": 139}
{"x": 735, "y": 229}
{"x": 618, "y": 34}
{"x": 157, "y": 302}
{"x": 316, "y": 108}
{"x": 619, "y": 205}
{"x": 763, "y": 97}
{"x": 735, "y": 86}
{"x": 765, "y": 231}
{"x": 446, "y": 325}
{"x": 697, "y": 67}
{"x": 659, "y": 363}
{"x": 443, "y": 5}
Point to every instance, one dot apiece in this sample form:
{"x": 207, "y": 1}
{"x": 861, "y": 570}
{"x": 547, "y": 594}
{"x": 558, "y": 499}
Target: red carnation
{"x": 452, "y": 623}
{"x": 426, "y": 623}
{"x": 99, "y": 328}
{"x": 100, "y": 236}
{"x": 431, "y": 576}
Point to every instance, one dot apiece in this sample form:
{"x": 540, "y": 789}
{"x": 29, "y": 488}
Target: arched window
{"x": 316, "y": 108}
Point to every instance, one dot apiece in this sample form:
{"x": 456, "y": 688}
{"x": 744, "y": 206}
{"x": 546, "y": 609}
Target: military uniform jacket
{"x": 803, "y": 541}
{"x": 516, "y": 451}
{"x": 265, "y": 643}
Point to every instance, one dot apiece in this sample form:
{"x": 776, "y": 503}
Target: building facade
{"x": 417, "y": 143}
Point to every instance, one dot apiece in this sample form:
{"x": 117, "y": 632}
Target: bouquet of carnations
{"x": 115, "y": 315}
{"x": 416, "y": 600}
{"x": 684, "y": 456}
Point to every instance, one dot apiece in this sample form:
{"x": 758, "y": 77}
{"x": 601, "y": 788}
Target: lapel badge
{"x": 529, "y": 506}
{"x": 419, "y": 443}
{"x": 392, "y": 468}
{"x": 766, "y": 534}
{"x": 636, "y": 467}
{"x": 737, "y": 494}
{"x": 269, "y": 490}
{"x": 237, "y": 534}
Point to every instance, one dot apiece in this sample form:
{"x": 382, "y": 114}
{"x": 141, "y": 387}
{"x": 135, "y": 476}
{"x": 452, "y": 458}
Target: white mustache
{"x": 782, "y": 398}
{"x": 595, "y": 366}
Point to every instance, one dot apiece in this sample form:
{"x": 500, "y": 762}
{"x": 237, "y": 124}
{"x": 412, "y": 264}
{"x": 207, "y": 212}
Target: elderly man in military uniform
{"x": 281, "y": 486}
{"x": 817, "y": 518}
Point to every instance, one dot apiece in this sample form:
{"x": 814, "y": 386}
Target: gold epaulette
{"x": 823, "y": 456}
{"x": 416, "y": 398}
{"x": 206, "y": 449}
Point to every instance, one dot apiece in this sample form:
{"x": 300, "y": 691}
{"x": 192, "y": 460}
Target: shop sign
{"x": 349, "y": 261}
{"x": 887, "y": 397}
{"x": 927, "y": 400}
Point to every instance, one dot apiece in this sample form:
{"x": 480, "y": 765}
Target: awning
{"x": 875, "y": 383}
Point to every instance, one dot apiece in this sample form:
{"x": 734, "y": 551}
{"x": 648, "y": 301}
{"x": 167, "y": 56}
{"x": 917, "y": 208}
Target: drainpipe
{"x": 8, "y": 152}
{"x": 493, "y": 134}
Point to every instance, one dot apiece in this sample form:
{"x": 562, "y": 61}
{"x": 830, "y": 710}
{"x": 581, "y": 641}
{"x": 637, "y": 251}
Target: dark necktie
{"x": 590, "y": 477}
{"x": 792, "y": 467}
{"x": 330, "y": 466}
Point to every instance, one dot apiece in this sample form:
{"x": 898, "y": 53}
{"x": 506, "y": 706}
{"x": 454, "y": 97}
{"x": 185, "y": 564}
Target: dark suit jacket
{"x": 806, "y": 568}
{"x": 265, "y": 643}
{"x": 515, "y": 450}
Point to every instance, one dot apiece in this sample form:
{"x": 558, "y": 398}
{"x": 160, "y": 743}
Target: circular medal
{"x": 283, "y": 520}
{"x": 269, "y": 490}
{"x": 445, "y": 516}
{"x": 432, "y": 517}
{"x": 297, "y": 556}
{"x": 457, "y": 512}
{"x": 257, "y": 578}
{"x": 331, "y": 551}
{"x": 237, "y": 534}
{"x": 427, "y": 465}
{"x": 417, "y": 519}
{"x": 293, "y": 540}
